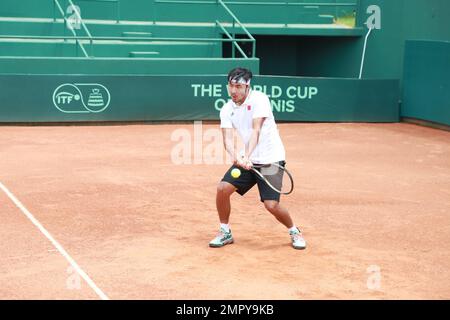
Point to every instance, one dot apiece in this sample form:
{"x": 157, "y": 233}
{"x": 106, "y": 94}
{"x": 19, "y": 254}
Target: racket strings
{"x": 276, "y": 176}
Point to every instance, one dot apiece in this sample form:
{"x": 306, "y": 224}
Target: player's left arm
{"x": 254, "y": 138}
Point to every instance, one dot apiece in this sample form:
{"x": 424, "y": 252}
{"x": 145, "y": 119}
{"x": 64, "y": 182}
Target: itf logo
{"x": 81, "y": 98}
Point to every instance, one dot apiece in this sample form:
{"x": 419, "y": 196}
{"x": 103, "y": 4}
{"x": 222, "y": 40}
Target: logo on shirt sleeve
{"x": 249, "y": 107}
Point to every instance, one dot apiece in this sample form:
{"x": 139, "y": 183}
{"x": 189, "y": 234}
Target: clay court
{"x": 373, "y": 201}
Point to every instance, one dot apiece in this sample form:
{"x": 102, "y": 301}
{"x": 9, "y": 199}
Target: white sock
{"x": 294, "y": 228}
{"x": 225, "y": 227}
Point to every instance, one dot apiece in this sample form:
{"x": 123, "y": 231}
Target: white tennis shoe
{"x": 297, "y": 240}
{"x": 221, "y": 239}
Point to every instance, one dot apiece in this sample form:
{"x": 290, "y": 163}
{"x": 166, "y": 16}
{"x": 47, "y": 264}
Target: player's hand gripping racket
{"x": 276, "y": 176}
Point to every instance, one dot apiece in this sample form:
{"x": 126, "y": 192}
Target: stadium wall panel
{"x": 426, "y": 90}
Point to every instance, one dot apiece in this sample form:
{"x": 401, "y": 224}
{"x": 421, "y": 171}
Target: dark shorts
{"x": 248, "y": 179}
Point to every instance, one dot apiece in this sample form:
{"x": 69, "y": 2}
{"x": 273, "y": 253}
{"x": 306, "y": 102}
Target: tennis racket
{"x": 276, "y": 176}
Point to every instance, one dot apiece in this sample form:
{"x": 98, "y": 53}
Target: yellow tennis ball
{"x": 235, "y": 173}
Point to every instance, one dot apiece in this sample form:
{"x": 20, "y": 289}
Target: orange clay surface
{"x": 373, "y": 201}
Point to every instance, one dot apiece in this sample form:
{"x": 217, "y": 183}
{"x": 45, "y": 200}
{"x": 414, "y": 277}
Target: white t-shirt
{"x": 257, "y": 105}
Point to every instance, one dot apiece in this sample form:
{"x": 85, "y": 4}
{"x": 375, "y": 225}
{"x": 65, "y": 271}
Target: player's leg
{"x": 224, "y": 236}
{"x": 271, "y": 200}
{"x": 282, "y": 215}
{"x": 225, "y": 189}
{"x": 279, "y": 212}
{"x": 223, "y": 204}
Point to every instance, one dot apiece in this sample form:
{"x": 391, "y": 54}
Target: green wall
{"x": 403, "y": 20}
{"x": 308, "y": 56}
{"x": 148, "y": 10}
{"x": 331, "y": 56}
{"x": 426, "y": 93}
{"x": 31, "y": 65}
{"x": 101, "y": 10}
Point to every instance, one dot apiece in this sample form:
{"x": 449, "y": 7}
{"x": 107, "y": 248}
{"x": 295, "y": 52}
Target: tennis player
{"x": 249, "y": 113}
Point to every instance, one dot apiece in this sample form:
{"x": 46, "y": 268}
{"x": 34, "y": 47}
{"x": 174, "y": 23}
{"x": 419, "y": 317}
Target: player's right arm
{"x": 228, "y": 132}
{"x": 228, "y": 143}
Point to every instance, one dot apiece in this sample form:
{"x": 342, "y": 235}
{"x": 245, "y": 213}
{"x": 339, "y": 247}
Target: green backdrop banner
{"x": 72, "y": 98}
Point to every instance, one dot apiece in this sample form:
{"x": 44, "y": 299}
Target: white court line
{"x": 55, "y": 243}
